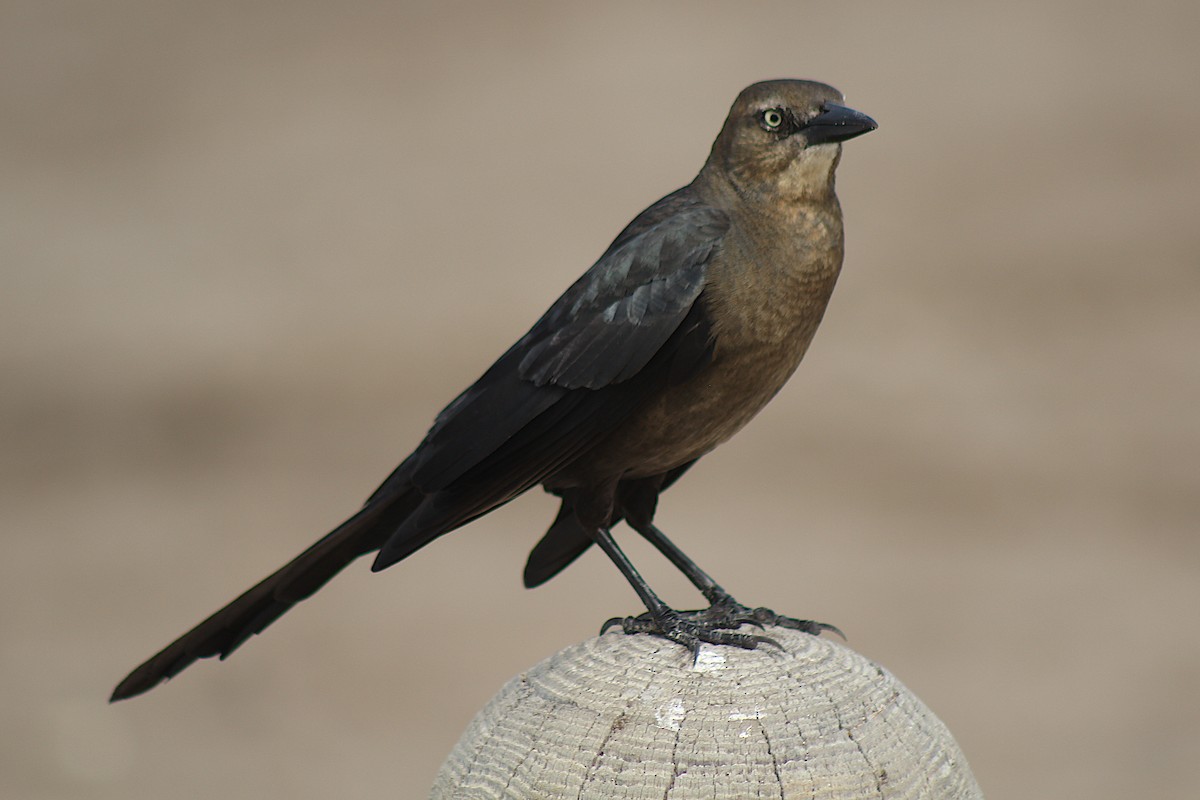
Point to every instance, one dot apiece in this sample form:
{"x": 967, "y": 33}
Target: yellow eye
{"x": 772, "y": 118}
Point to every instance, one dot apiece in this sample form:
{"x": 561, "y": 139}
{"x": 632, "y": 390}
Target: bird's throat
{"x": 810, "y": 175}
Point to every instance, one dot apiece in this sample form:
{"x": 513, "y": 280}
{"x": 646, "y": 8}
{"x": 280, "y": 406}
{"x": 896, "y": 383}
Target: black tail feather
{"x": 265, "y": 602}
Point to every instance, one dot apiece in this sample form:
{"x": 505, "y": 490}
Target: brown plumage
{"x": 680, "y": 333}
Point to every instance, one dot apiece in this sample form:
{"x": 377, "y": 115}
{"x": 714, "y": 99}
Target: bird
{"x": 694, "y": 317}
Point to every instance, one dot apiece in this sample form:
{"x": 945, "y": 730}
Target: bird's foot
{"x": 690, "y": 629}
{"x": 729, "y": 613}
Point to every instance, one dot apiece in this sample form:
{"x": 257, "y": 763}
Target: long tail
{"x": 254, "y": 610}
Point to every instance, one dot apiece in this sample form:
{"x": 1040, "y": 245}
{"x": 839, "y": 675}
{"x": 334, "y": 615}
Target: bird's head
{"x": 783, "y": 139}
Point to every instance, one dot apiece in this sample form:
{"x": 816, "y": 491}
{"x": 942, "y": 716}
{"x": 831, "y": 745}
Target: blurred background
{"x": 249, "y": 250}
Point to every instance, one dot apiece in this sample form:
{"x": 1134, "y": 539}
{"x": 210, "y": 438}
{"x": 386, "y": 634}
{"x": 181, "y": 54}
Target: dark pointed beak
{"x": 837, "y": 124}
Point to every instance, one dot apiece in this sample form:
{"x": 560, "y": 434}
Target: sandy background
{"x": 249, "y": 250}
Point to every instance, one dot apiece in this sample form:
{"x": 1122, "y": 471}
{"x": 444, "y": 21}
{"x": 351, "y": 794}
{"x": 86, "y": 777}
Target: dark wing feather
{"x": 562, "y": 433}
{"x": 602, "y": 331}
{"x": 630, "y": 325}
{"x": 609, "y": 325}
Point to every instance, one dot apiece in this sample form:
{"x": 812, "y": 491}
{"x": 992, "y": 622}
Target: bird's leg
{"x": 661, "y": 619}
{"x": 639, "y": 499}
{"x": 708, "y": 587}
{"x": 723, "y": 609}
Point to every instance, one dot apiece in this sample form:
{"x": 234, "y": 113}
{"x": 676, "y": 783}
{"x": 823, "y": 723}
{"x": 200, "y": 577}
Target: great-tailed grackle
{"x": 687, "y": 325}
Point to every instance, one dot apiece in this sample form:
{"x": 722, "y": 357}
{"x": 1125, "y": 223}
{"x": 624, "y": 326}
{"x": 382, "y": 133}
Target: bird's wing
{"x": 612, "y": 321}
{"x": 602, "y": 331}
{"x": 630, "y": 325}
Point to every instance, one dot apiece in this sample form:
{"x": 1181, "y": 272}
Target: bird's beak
{"x": 837, "y": 124}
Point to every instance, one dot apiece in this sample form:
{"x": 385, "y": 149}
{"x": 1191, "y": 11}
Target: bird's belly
{"x": 689, "y": 419}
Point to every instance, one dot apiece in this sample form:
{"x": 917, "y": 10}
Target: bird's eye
{"x": 772, "y": 118}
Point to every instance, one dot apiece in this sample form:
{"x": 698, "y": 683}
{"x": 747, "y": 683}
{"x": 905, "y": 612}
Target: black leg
{"x": 723, "y": 609}
{"x": 653, "y": 603}
{"x": 661, "y": 619}
{"x": 711, "y": 590}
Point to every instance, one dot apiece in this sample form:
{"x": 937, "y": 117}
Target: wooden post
{"x": 624, "y": 716}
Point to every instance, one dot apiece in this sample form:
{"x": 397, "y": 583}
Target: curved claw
{"x": 808, "y": 626}
{"x": 742, "y": 616}
{"x": 825, "y": 626}
{"x": 768, "y": 617}
{"x": 768, "y": 640}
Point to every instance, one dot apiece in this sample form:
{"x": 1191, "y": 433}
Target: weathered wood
{"x": 632, "y": 717}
